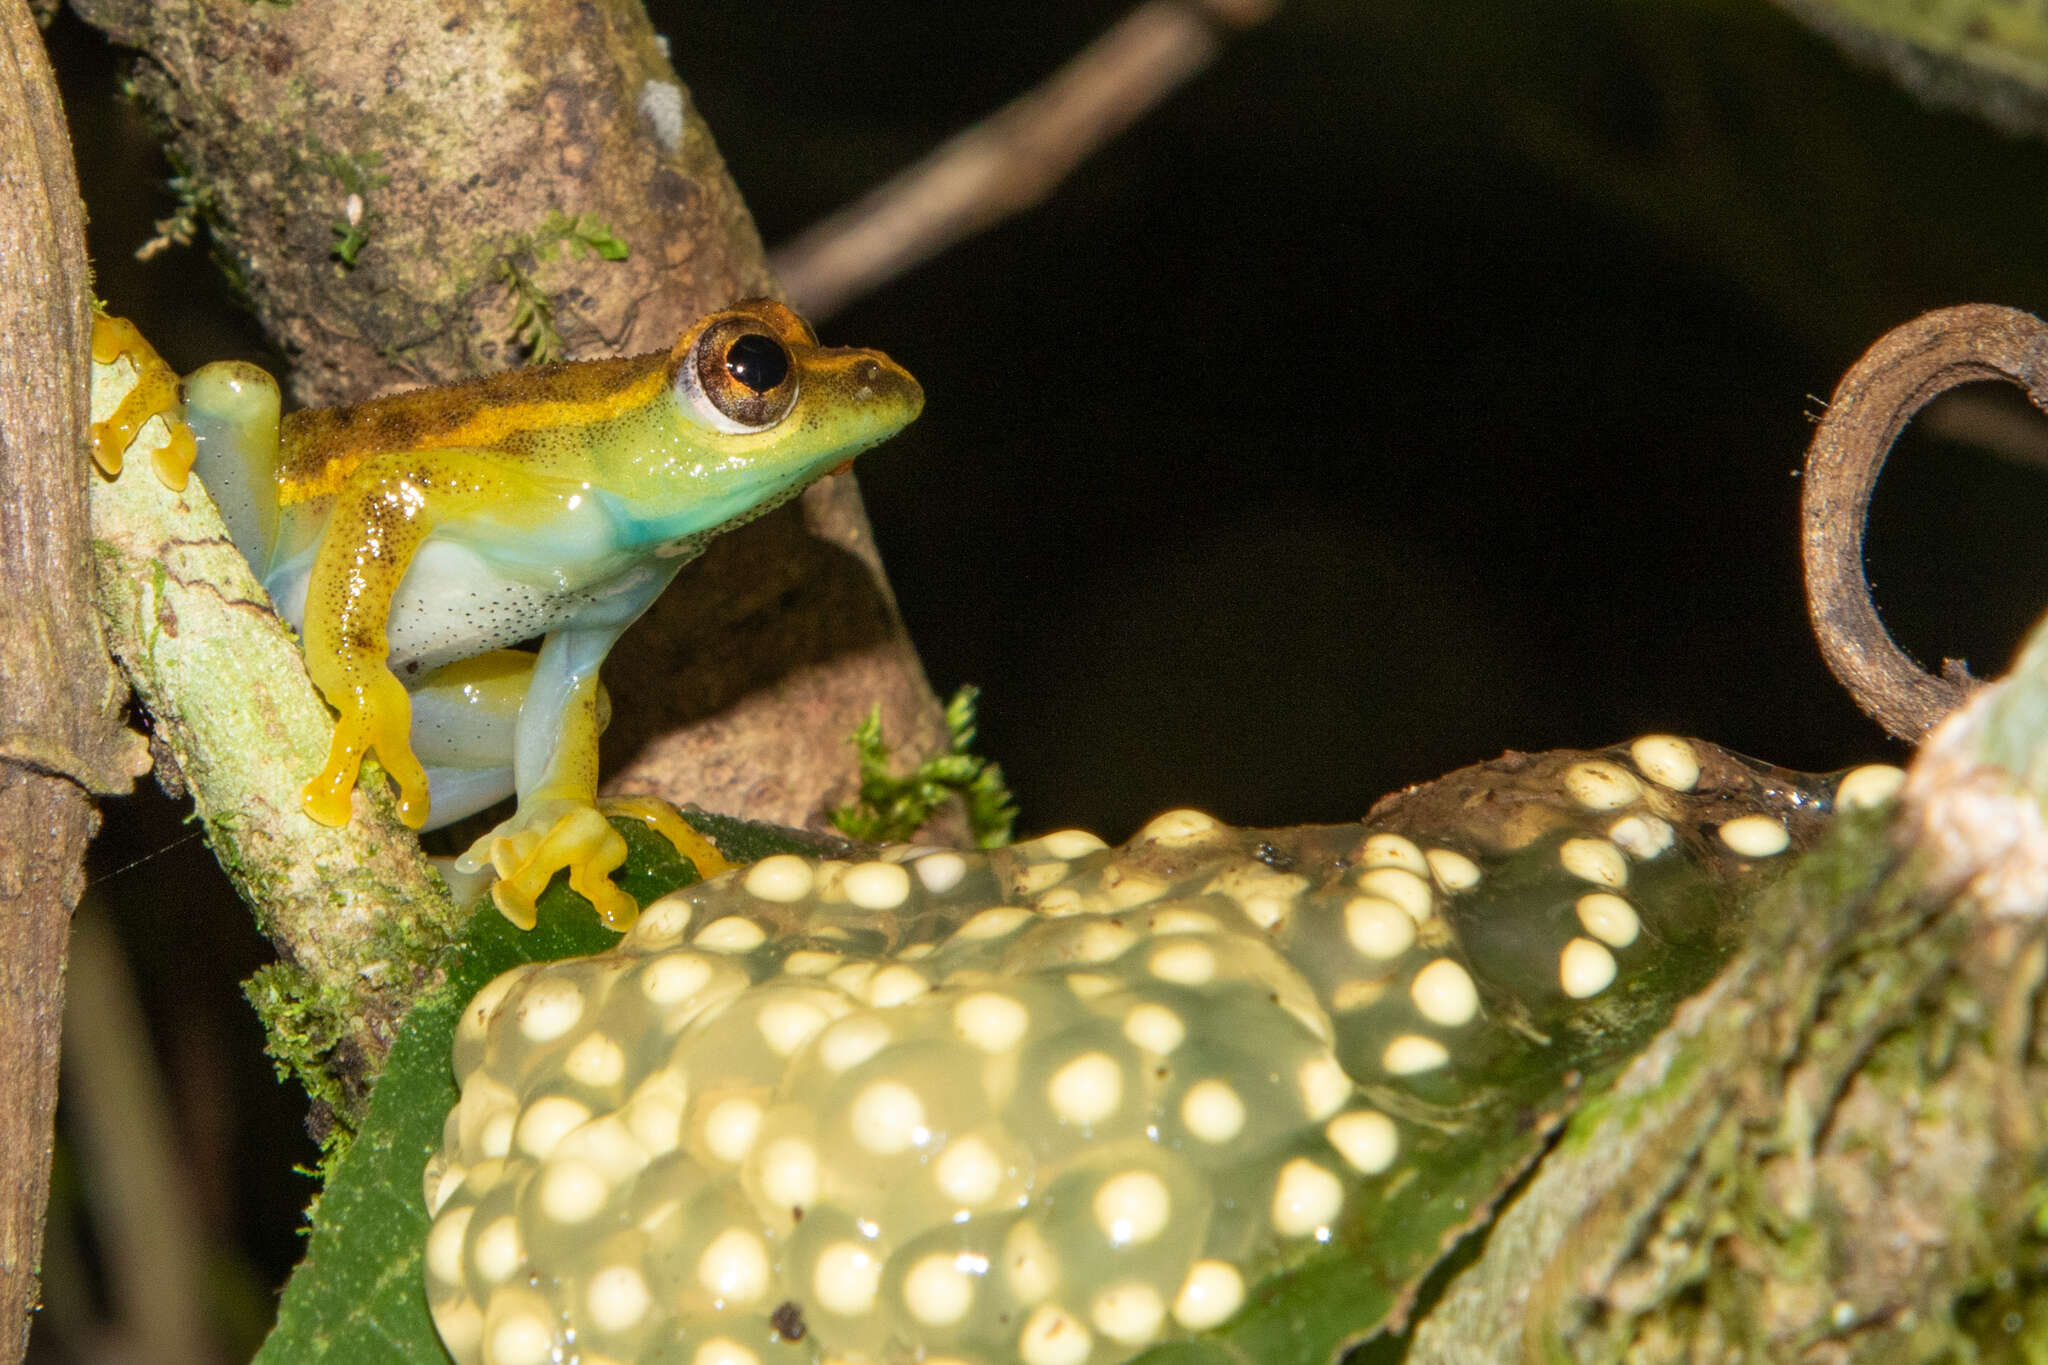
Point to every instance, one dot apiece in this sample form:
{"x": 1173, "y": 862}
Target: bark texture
{"x": 61, "y": 737}
{"x": 388, "y": 183}
{"x": 1985, "y": 58}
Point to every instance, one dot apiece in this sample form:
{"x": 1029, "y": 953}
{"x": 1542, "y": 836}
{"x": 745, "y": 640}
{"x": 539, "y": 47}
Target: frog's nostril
{"x": 868, "y": 375}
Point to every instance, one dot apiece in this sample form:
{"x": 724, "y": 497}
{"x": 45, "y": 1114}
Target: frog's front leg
{"x": 379, "y": 520}
{"x": 155, "y": 395}
{"x": 559, "y": 824}
{"x": 466, "y": 719}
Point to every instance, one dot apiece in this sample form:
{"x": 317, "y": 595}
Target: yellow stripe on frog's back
{"x": 320, "y": 447}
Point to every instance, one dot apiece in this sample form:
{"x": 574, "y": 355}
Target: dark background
{"x": 1428, "y": 379}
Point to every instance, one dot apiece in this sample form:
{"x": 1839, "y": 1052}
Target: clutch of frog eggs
{"x": 1046, "y": 1105}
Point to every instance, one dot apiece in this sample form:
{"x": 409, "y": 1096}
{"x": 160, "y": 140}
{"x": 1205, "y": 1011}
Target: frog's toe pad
{"x": 154, "y": 396}
{"x": 668, "y": 822}
{"x": 381, "y": 730}
{"x": 527, "y": 850}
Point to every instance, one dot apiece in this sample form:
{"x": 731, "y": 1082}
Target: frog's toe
{"x": 515, "y": 904}
{"x": 530, "y": 848}
{"x": 326, "y": 796}
{"x": 175, "y": 457}
{"x": 375, "y": 728}
{"x": 464, "y": 885}
{"x": 154, "y": 396}
{"x": 666, "y": 821}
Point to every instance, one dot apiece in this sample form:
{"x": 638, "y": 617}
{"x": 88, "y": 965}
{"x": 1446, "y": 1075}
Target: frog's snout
{"x": 876, "y": 378}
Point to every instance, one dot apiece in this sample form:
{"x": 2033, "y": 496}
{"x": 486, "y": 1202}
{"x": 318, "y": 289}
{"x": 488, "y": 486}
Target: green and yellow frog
{"x": 413, "y": 539}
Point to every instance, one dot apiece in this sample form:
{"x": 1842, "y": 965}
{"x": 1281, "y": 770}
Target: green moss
{"x": 301, "y": 1028}
{"x": 891, "y": 809}
{"x": 359, "y": 177}
{"x": 1591, "y": 1122}
{"x": 157, "y": 576}
{"x": 533, "y": 314}
{"x": 194, "y": 211}
{"x": 585, "y": 231}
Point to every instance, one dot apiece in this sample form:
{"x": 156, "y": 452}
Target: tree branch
{"x": 1012, "y": 159}
{"x": 355, "y": 911}
{"x": 60, "y": 703}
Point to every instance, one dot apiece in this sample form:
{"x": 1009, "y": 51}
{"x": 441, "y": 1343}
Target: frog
{"x": 414, "y": 539}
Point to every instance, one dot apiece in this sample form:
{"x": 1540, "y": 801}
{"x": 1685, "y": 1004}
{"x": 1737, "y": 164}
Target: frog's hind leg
{"x": 465, "y": 721}
{"x": 232, "y": 408}
{"x": 665, "y": 820}
{"x": 558, "y": 825}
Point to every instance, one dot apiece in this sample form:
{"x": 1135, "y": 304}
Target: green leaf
{"x": 351, "y": 241}
{"x": 357, "y": 1297}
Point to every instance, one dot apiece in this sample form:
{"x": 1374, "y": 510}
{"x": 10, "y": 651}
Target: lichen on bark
{"x": 356, "y": 912}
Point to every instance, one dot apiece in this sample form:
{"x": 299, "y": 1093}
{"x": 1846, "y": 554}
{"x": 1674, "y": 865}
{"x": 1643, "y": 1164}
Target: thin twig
{"x": 1011, "y": 160}
{"x": 1906, "y": 369}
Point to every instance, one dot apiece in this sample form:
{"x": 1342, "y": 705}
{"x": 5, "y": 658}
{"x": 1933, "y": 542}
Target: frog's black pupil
{"x": 758, "y": 362}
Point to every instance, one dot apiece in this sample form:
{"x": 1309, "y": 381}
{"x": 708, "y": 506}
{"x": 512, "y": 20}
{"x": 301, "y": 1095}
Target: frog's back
{"x": 320, "y": 447}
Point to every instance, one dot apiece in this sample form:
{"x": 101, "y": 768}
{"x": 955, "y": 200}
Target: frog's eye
{"x": 757, "y": 361}
{"x": 739, "y": 379}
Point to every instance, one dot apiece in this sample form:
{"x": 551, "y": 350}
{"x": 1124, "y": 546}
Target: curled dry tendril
{"x": 1907, "y": 368}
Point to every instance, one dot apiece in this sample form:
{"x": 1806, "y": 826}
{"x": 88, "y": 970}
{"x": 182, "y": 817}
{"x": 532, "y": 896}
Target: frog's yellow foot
{"x": 664, "y": 820}
{"x": 155, "y": 395}
{"x": 384, "y": 730}
{"x": 543, "y": 838}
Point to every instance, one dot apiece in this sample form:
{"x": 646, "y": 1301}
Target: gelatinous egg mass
{"x": 1052, "y": 1104}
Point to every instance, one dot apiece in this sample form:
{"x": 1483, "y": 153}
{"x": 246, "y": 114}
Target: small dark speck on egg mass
{"x": 1274, "y": 858}
{"x": 788, "y": 1320}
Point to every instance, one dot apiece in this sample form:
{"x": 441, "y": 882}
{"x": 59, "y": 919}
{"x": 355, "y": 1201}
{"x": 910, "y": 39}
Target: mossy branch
{"x": 356, "y": 912}
{"x": 1837, "y": 1151}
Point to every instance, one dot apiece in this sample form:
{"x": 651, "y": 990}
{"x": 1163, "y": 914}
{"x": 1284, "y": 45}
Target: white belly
{"x": 453, "y": 603}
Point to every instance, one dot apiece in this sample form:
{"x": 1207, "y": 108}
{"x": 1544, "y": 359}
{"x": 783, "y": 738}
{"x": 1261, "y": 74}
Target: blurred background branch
{"x": 1984, "y": 57}
{"x": 1014, "y": 158}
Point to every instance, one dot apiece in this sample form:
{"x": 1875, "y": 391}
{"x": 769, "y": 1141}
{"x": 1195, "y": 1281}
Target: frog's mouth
{"x": 841, "y": 467}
